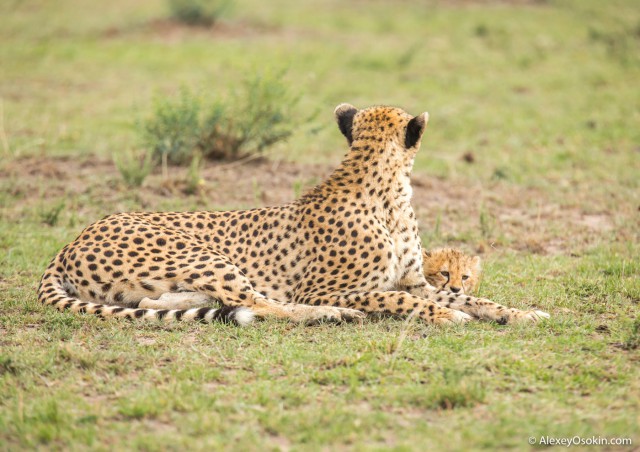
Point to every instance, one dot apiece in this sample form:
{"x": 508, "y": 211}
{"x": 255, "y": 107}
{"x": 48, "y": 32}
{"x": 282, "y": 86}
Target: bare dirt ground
{"x": 498, "y": 215}
{"x": 172, "y": 31}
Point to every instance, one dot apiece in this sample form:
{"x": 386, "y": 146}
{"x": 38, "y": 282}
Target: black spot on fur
{"x": 147, "y": 286}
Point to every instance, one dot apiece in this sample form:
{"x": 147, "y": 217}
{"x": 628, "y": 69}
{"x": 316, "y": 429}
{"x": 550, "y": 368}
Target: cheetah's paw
{"x": 350, "y": 315}
{"x": 537, "y": 316}
{"x": 311, "y": 315}
{"x": 525, "y": 316}
{"x": 452, "y": 316}
{"x": 333, "y": 314}
{"x": 461, "y": 317}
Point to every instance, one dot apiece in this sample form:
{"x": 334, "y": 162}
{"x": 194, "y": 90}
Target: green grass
{"x": 544, "y": 95}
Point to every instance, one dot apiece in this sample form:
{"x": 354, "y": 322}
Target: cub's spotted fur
{"x": 451, "y": 270}
{"x": 347, "y": 247}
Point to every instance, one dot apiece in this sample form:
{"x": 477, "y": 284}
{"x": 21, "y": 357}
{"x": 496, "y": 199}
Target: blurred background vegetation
{"x": 529, "y": 91}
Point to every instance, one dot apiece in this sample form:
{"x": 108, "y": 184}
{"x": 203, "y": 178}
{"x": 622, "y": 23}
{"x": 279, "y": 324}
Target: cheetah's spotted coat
{"x": 348, "y": 247}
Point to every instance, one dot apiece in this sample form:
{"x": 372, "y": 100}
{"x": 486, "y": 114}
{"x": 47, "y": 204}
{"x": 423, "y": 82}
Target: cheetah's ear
{"x": 344, "y": 115}
{"x": 415, "y": 129}
{"x": 476, "y": 262}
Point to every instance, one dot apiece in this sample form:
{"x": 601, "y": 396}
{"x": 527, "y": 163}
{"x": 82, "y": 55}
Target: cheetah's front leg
{"x": 393, "y": 303}
{"x": 488, "y": 310}
{"x": 480, "y": 308}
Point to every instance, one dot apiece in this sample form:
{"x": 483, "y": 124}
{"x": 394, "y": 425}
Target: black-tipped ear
{"x": 344, "y": 115}
{"x": 415, "y": 129}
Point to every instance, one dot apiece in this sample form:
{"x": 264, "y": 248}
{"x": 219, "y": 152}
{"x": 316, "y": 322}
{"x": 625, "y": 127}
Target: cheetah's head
{"x": 384, "y": 129}
{"x": 451, "y": 270}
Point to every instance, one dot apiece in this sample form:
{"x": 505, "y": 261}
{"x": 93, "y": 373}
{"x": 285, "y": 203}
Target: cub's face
{"x": 451, "y": 270}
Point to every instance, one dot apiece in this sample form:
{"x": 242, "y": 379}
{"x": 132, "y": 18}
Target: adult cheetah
{"x": 349, "y": 246}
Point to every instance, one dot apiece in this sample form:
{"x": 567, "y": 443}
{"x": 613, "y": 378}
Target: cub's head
{"x": 451, "y": 270}
{"x": 377, "y": 129}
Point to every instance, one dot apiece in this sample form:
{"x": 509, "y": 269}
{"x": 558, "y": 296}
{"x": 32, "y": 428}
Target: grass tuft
{"x": 50, "y": 215}
{"x": 194, "y": 181}
{"x": 8, "y": 365}
{"x": 134, "y": 167}
{"x": 632, "y": 340}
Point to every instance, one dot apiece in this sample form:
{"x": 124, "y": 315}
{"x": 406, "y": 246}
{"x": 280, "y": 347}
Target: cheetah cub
{"x": 449, "y": 270}
{"x": 452, "y": 270}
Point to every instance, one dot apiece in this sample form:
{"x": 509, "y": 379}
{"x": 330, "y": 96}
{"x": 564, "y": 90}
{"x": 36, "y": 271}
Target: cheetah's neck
{"x": 371, "y": 178}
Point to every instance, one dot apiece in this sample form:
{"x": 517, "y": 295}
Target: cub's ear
{"x": 344, "y": 114}
{"x": 426, "y": 253}
{"x": 415, "y": 129}
{"x": 477, "y": 262}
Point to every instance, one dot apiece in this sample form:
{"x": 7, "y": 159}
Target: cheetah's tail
{"x": 52, "y": 292}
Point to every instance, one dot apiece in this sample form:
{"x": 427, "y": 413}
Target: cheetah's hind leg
{"x": 178, "y": 300}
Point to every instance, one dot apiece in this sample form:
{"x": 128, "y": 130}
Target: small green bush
{"x": 621, "y": 44}
{"x": 198, "y": 12}
{"x": 247, "y": 123}
{"x": 172, "y": 133}
{"x": 254, "y": 119}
